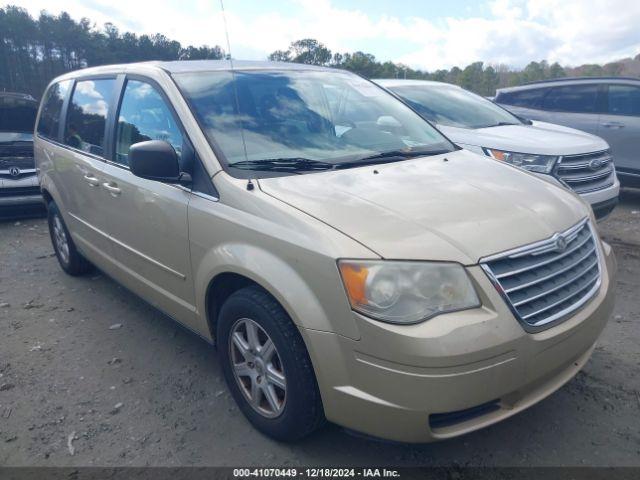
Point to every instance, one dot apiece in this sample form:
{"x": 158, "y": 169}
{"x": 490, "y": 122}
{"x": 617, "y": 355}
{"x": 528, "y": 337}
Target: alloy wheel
{"x": 60, "y": 239}
{"x": 257, "y": 368}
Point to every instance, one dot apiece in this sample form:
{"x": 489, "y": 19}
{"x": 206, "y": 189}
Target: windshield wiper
{"x": 299, "y": 164}
{"x": 291, "y": 164}
{"x": 390, "y": 157}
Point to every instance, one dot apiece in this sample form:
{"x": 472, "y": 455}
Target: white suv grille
{"x": 587, "y": 172}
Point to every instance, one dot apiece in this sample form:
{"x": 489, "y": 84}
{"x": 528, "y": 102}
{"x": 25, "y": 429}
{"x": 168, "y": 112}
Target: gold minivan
{"x": 349, "y": 262}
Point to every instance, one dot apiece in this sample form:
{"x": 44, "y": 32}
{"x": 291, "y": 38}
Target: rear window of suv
{"x": 530, "y": 98}
{"x": 573, "y": 98}
{"x": 87, "y": 116}
{"x": 51, "y": 109}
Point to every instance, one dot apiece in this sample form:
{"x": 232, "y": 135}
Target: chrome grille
{"x": 19, "y": 191}
{"x": 545, "y": 281}
{"x": 587, "y": 172}
{"x": 20, "y": 156}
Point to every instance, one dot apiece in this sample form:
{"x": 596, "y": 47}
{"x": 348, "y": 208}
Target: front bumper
{"x": 20, "y": 200}
{"x": 603, "y": 209}
{"x": 602, "y": 201}
{"x": 21, "y": 192}
{"x": 454, "y": 373}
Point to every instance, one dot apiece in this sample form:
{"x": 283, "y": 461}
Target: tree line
{"x": 35, "y": 50}
{"x": 478, "y": 76}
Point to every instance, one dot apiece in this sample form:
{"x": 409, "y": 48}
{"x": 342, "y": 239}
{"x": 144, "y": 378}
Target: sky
{"x": 425, "y": 34}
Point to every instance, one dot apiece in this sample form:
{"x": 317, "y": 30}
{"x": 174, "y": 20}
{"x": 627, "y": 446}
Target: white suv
{"x": 573, "y": 158}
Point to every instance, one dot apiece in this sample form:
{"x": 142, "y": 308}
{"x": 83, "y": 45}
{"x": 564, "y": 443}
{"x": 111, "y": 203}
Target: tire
{"x": 300, "y": 404}
{"x": 71, "y": 261}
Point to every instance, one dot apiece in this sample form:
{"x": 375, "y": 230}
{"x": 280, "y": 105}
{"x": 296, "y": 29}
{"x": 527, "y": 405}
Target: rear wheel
{"x": 267, "y": 367}
{"x": 71, "y": 261}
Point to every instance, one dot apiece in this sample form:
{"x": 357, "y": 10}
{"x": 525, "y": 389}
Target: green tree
{"x": 590, "y": 70}
{"x": 363, "y": 63}
{"x": 310, "y": 51}
{"x": 32, "y": 52}
{"x": 454, "y": 75}
{"x": 489, "y": 82}
{"x": 471, "y": 77}
{"x": 556, "y": 71}
{"x": 280, "y": 56}
{"x": 533, "y": 72}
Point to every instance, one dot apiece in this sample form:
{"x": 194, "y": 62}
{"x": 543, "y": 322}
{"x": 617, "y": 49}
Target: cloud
{"x": 513, "y": 32}
{"x": 88, "y": 89}
{"x": 520, "y": 31}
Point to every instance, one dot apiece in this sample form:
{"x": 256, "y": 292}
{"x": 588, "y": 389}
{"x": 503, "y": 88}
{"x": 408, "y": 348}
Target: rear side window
{"x": 51, "y": 109}
{"x": 523, "y": 98}
{"x": 87, "y": 116}
{"x": 144, "y": 115}
{"x": 624, "y": 100}
{"x": 573, "y": 98}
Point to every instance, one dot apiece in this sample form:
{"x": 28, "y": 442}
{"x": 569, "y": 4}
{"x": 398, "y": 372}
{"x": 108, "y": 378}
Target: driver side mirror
{"x": 154, "y": 160}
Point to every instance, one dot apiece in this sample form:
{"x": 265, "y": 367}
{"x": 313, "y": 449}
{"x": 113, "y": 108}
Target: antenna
{"x": 226, "y": 32}
{"x": 235, "y": 87}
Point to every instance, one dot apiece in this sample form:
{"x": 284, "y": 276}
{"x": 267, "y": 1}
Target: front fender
{"x": 309, "y": 306}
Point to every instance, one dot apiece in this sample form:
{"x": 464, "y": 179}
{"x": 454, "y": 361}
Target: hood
{"x": 539, "y": 138}
{"x": 454, "y": 207}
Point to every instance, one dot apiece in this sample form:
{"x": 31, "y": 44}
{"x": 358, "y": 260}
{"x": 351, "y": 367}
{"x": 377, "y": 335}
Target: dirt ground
{"x": 149, "y": 393}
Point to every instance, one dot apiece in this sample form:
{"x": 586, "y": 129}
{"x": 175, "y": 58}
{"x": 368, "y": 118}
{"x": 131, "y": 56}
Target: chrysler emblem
{"x": 560, "y": 243}
{"x": 14, "y": 171}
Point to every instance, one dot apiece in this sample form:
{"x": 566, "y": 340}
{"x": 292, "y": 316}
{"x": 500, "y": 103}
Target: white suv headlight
{"x": 406, "y": 292}
{"x": 533, "y": 163}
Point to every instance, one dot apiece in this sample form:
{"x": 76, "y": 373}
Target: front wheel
{"x": 267, "y": 367}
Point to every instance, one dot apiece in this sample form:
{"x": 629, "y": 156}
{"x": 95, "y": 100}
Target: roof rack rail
{"x": 562, "y": 79}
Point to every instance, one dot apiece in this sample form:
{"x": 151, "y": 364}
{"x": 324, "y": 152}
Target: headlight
{"x": 406, "y": 292}
{"x": 533, "y": 163}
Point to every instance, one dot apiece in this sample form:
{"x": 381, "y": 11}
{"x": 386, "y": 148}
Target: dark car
{"x": 19, "y": 190}
{"x": 608, "y": 107}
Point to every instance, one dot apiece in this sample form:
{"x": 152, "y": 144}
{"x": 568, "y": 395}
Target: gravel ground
{"x": 91, "y": 375}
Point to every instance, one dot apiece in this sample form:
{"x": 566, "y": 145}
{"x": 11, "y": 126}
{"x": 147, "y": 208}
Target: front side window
{"x": 624, "y": 100}
{"x": 49, "y": 122}
{"x": 87, "y": 116}
{"x": 144, "y": 116}
{"x": 530, "y": 98}
{"x": 454, "y": 107}
{"x": 572, "y": 98}
{"x": 318, "y": 117}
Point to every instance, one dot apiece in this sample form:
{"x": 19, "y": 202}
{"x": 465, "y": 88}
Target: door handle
{"x": 613, "y": 125}
{"x": 112, "y": 188}
{"x": 91, "y": 180}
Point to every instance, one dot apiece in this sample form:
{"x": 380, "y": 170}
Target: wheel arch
{"x": 220, "y": 288}
{"x": 230, "y": 267}
{"x": 47, "y": 196}
{"x": 50, "y": 192}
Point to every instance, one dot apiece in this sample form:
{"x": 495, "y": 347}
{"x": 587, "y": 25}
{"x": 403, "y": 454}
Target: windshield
{"x": 17, "y": 115}
{"x": 454, "y": 107}
{"x": 331, "y": 117}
